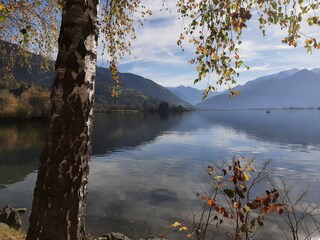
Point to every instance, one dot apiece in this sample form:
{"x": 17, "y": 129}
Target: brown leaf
{"x": 240, "y": 193}
{"x": 236, "y": 204}
{"x": 224, "y": 172}
{"x": 241, "y": 217}
{"x": 161, "y": 235}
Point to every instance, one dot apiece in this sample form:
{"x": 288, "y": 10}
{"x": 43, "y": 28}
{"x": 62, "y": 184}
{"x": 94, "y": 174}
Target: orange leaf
{"x": 161, "y": 235}
{"x": 249, "y": 169}
{"x": 210, "y": 202}
{"x": 263, "y": 211}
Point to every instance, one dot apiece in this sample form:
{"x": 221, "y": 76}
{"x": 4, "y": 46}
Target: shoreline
{"x": 13, "y": 119}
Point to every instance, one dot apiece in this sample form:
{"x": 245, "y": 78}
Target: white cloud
{"x": 157, "y": 56}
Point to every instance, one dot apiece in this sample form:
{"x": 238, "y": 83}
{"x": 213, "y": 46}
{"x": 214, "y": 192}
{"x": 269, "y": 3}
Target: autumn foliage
{"x": 24, "y": 102}
{"x": 216, "y": 29}
{"x": 231, "y": 201}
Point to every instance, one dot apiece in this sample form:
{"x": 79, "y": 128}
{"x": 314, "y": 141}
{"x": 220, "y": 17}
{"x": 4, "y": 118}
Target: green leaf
{"x": 61, "y": 4}
{"x": 25, "y": 33}
{"x": 229, "y": 193}
{"x": 239, "y": 64}
{"x": 3, "y": 19}
{"x": 26, "y": 40}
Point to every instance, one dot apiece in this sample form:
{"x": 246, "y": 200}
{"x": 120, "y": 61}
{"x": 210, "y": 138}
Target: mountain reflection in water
{"x": 146, "y": 168}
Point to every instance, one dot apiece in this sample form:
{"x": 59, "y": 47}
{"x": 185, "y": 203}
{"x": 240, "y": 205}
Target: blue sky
{"x": 156, "y": 55}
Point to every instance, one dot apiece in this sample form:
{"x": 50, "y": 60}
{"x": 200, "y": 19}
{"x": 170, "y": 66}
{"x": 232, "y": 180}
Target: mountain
{"x": 190, "y": 95}
{"x": 316, "y": 71}
{"x": 255, "y": 83}
{"x": 289, "y": 89}
{"x": 136, "y": 92}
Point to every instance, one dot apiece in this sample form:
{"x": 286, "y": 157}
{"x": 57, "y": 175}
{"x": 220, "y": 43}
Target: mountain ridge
{"x": 291, "y": 89}
{"x": 136, "y": 92}
{"x": 190, "y": 94}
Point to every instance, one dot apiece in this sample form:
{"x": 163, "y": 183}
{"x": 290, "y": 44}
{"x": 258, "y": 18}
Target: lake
{"x": 146, "y": 168}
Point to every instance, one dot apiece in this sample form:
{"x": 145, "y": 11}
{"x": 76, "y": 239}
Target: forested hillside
{"x": 24, "y": 88}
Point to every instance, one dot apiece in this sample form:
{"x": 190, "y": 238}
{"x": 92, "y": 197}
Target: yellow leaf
{"x": 176, "y": 224}
{"x": 246, "y": 177}
{"x": 218, "y": 178}
{"x": 183, "y": 229}
{"x": 248, "y": 209}
{"x": 215, "y": 57}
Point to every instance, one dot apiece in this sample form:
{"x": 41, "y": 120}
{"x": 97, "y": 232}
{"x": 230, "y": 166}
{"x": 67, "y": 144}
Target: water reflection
{"x": 146, "y": 168}
{"x": 300, "y": 127}
{"x": 159, "y": 175}
{"x": 115, "y": 131}
{"x": 20, "y": 146}
{"x": 293, "y": 129}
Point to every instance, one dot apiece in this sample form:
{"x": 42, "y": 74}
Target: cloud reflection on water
{"x": 145, "y": 169}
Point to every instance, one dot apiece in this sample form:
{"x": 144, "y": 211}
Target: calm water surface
{"x": 146, "y": 168}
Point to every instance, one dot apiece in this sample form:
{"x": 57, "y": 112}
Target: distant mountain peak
{"x": 293, "y": 88}
{"x": 286, "y": 73}
{"x": 190, "y": 94}
{"x": 304, "y": 73}
{"x": 183, "y": 87}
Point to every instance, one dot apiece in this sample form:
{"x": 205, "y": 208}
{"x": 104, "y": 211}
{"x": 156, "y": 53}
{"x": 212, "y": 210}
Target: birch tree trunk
{"x": 59, "y": 202}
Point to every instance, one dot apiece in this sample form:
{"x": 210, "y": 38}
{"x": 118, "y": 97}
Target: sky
{"x": 156, "y": 55}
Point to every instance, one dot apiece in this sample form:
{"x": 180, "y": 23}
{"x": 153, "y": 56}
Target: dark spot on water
{"x": 162, "y": 196}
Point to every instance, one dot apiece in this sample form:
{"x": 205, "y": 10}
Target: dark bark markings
{"x": 60, "y": 195}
